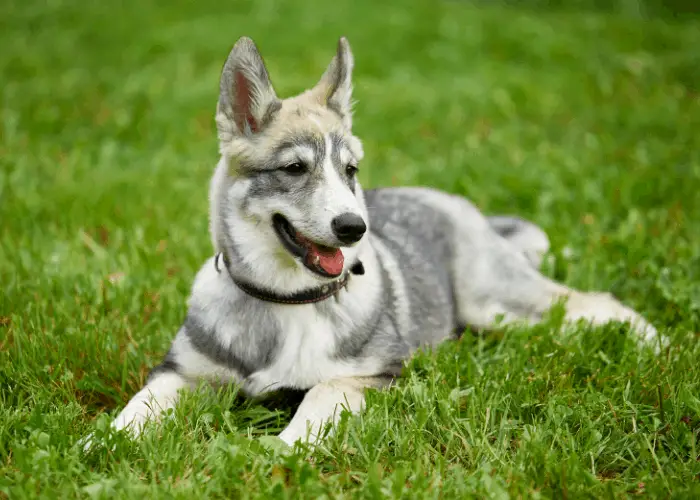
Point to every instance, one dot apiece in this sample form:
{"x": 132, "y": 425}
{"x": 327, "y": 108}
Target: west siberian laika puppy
{"x": 317, "y": 285}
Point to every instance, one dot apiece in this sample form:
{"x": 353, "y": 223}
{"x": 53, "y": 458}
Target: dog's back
{"x": 414, "y": 244}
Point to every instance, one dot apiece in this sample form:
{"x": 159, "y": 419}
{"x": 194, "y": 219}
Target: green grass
{"x": 583, "y": 121}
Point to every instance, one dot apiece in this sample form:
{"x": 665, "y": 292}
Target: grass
{"x": 581, "y": 120}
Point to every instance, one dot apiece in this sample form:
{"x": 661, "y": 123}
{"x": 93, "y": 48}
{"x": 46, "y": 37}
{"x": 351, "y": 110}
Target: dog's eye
{"x": 351, "y": 170}
{"x": 296, "y": 168}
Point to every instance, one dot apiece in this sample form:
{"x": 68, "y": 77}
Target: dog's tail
{"x": 526, "y": 236}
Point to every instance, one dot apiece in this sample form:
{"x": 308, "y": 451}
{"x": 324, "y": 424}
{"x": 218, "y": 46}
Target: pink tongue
{"x": 330, "y": 260}
{"x": 333, "y": 263}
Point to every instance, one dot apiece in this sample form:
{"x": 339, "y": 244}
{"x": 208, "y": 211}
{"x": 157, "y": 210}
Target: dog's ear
{"x": 247, "y": 100}
{"x": 335, "y": 87}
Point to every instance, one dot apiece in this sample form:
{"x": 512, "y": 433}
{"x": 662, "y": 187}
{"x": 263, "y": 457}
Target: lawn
{"x": 587, "y": 122}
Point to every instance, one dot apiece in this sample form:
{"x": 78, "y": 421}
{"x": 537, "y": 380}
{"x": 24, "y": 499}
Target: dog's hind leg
{"x": 493, "y": 277}
{"x": 324, "y": 403}
{"x": 493, "y": 273}
{"x": 525, "y": 236}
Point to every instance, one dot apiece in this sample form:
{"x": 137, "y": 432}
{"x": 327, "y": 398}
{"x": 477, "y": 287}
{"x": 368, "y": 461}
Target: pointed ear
{"x": 335, "y": 88}
{"x": 247, "y": 101}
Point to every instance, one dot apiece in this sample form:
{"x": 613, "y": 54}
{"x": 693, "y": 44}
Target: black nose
{"x": 349, "y": 228}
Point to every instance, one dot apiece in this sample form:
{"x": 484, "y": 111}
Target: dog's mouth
{"x": 322, "y": 260}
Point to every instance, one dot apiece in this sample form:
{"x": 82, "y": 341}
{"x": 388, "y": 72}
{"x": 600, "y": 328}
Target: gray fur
{"x": 252, "y": 351}
{"x": 433, "y": 263}
{"x": 203, "y": 339}
{"x": 420, "y": 237}
{"x": 522, "y": 234}
{"x": 338, "y": 143}
{"x": 167, "y": 365}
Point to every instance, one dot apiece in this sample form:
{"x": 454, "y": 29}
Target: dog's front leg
{"x": 324, "y": 403}
{"x": 160, "y": 393}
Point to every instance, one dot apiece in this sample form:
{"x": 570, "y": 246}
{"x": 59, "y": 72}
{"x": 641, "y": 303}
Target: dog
{"x": 320, "y": 286}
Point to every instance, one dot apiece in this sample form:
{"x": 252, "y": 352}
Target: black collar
{"x": 309, "y": 296}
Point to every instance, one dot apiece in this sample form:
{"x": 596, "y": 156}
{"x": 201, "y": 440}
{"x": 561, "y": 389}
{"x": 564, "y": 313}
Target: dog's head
{"x": 288, "y": 192}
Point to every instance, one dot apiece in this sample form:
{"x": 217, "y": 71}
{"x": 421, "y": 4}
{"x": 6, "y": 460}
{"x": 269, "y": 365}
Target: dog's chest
{"x": 306, "y": 353}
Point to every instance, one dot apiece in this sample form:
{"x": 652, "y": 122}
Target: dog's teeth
{"x": 317, "y": 260}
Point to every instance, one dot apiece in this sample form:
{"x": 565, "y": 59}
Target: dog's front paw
{"x": 130, "y": 423}
{"x": 88, "y": 443}
{"x": 102, "y": 437}
{"x": 275, "y": 444}
{"x": 290, "y": 436}
{"x": 601, "y": 308}
{"x": 299, "y": 432}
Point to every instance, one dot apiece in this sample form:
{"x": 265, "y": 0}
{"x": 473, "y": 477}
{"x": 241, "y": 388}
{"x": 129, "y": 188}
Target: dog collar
{"x": 309, "y": 296}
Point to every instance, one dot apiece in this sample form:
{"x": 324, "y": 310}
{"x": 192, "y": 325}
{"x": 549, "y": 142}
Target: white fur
{"x": 306, "y": 357}
{"x": 323, "y": 404}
